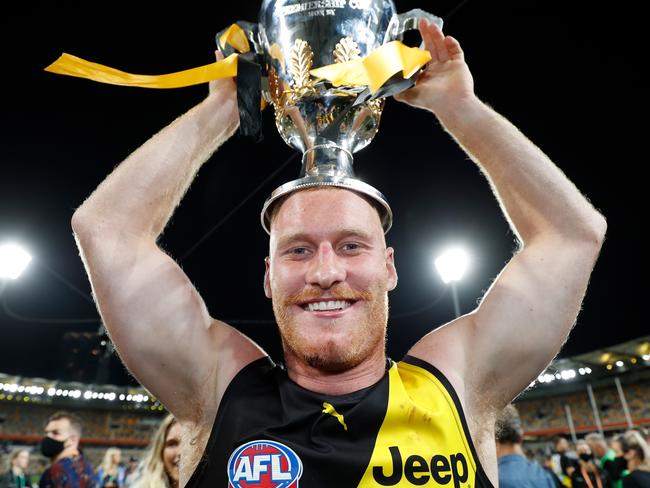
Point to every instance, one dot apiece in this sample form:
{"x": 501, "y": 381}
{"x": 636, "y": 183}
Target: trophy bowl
{"x": 325, "y": 122}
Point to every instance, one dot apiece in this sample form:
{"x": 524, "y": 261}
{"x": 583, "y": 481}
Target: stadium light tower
{"x": 451, "y": 266}
{"x": 13, "y": 261}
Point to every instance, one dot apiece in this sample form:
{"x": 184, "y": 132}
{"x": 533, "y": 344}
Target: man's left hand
{"x": 446, "y": 79}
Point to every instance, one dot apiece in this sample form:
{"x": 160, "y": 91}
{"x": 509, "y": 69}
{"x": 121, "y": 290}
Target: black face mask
{"x": 586, "y": 457}
{"x": 51, "y": 448}
{"x": 620, "y": 463}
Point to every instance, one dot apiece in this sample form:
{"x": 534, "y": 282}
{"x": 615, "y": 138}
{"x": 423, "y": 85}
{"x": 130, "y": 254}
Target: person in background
{"x": 637, "y": 454}
{"x": 131, "y": 471}
{"x": 110, "y": 474}
{"x": 606, "y": 457}
{"x": 547, "y": 464}
{"x": 16, "y": 476}
{"x": 38, "y": 467}
{"x": 69, "y": 468}
{"x": 515, "y": 471}
{"x": 159, "y": 467}
{"x": 587, "y": 474}
{"x": 562, "y": 460}
{"x": 620, "y": 463}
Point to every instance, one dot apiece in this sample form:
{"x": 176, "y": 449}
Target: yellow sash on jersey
{"x": 421, "y": 441}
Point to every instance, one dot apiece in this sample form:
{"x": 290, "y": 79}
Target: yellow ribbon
{"x": 377, "y": 68}
{"x": 236, "y": 37}
{"x": 74, "y": 66}
{"x": 372, "y": 71}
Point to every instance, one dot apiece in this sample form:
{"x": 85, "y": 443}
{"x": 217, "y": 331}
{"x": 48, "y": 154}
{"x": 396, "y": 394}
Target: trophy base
{"x": 322, "y": 181}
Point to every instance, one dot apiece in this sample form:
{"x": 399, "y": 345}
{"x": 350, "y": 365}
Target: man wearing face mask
{"x": 587, "y": 474}
{"x": 69, "y": 468}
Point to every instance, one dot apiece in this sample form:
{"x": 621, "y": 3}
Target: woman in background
{"x": 637, "y": 454}
{"x": 159, "y": 468}
{"x": 110, "y": 474}
{"x": 16, "y": 477}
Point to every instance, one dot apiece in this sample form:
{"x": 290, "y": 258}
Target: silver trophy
{"x": 326, "y": 123}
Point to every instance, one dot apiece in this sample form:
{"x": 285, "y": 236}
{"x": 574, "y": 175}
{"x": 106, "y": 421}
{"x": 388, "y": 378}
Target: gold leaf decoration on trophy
{"x": 376, "y": 107}
{"x": 302, "y": 59}
{"x": 346, "y": 50}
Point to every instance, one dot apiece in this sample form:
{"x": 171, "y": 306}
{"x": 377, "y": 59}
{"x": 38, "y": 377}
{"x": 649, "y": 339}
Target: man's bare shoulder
{"x": 236, "y": 351}
{"x": 446, "y": 348}
{"x": 232, "y": 351}
{"x": 449, "y": 348}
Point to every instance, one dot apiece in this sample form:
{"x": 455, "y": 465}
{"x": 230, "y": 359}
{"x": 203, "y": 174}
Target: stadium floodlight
{"x": 452, "y": 264}
{"x": 13, "y": 261}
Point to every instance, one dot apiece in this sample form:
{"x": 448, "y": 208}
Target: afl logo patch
{"x": 264, "y": 464}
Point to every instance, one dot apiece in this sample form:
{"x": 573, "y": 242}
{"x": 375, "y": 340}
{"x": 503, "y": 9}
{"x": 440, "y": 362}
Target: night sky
{"x": 563, "y": 75}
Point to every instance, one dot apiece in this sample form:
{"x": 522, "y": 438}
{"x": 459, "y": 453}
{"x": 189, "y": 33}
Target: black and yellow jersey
{"x": 406, "y": 430}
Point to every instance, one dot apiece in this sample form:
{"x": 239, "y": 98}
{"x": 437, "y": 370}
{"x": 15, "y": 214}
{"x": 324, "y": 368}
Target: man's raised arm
{"x": 525, "y": 317}
{"x": 156, "y": 318}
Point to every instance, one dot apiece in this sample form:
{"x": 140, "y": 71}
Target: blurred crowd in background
{"x": 60, "y": 461}
{"x": 41, "y": 446}
{"x": 621, "y": 460}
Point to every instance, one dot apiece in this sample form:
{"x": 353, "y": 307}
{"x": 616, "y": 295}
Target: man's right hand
{"x": 224, "y": 85}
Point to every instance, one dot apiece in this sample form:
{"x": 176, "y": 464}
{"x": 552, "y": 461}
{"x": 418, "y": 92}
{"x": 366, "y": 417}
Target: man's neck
{"x": 508, "y": 449}
{"x": 69, "y": 452}
{"x": 369, "y": 372}
{"x": 17, "y": 471}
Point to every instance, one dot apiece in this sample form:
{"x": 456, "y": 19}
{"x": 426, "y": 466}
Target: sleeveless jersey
{"x": 406, "y": 430}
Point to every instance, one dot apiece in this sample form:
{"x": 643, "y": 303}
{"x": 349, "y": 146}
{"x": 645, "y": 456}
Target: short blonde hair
{"x": 273, "y": 210}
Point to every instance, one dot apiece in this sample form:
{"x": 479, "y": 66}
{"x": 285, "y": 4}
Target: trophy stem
{"x": 327, "y": 159}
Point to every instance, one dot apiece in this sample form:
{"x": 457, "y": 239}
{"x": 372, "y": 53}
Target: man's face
{"x": 562, "y": 446}
{"x": 597, "y": 448}
{"x": 583, "y": 448}
{"x": 328, "y": 274}
{"x": 60, "y": 430}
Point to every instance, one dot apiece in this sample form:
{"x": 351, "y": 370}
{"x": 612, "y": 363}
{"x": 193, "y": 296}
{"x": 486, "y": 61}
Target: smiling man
{"x": 339, "y": 413}
{"x": 328, "y": 279}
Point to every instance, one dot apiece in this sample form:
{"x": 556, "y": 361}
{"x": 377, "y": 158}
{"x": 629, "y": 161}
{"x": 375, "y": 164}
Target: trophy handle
{"x": 252, "y": 33}
{"x": 408, "y": 21}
